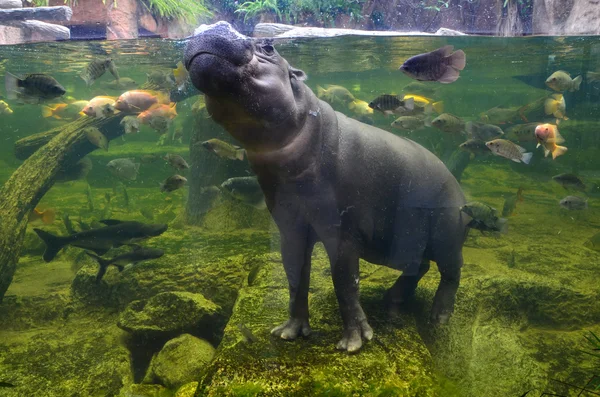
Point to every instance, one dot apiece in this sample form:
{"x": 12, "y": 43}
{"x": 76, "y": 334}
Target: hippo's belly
{"x": 401, "y": 201}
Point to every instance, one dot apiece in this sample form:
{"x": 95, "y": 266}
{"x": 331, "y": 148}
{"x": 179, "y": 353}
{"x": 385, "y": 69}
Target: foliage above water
{"x": 186, "y": 10}
{"x": 293, "y": 11}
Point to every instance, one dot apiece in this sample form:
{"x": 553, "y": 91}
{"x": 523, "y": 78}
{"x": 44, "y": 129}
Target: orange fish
{"x": 158, "y": 110}
{"x": 138, "y": 101}
{"x": 46, "y": 216}
{"x": 548, "y": 137}
{"x": 100, "y": 106}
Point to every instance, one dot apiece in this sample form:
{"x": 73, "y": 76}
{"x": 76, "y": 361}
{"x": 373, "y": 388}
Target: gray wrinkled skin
{"x": 361, "y": 191}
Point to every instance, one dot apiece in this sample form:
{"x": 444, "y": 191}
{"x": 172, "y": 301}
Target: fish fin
{"x": 427, "y": 121}
{"x": 576, "y": 84}
{"x": 409, "y": 104}
{"x": 438, "y": 107}
{"x": 516, "y": 160}
{"x": 47, "y": 112}
{"x": 48, "y": 216}
{"x": 557, "y": 137}
{"x": 444, "y": 51}
{"x": 470, "y": 128}
{"x": 526, "y": 158}
{"x": 450, "y": 76}
{"x": 110, "y": 222}
{"x": 240, "y": 153}
{"x": 320, "y": 91}
{"x": 458, "y": 60}
{"x": 11, "y": 84}
{"x": 388, "y": 112}
{"x": 546, "y": 151}
{"x": 521, "y": 149}
{"x": 53, "y": 244}
{"x": 558, "y": 151}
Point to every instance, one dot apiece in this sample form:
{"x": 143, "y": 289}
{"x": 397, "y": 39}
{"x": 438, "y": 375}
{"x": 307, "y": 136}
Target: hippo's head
{"x": 249, "y": 88}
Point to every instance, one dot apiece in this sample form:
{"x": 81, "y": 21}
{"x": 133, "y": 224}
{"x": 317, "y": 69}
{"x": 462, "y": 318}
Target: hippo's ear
{"x": 297, "y": 74}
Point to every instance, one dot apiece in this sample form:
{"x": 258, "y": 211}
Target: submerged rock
{"x": 395, "y": 362}
{"x": 170, "y": 313}
{"x": 179, "y": 363}
{"x": 187, "y": 390}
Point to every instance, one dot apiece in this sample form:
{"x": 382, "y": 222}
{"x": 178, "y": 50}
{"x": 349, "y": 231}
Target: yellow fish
{"x": 427, "y": 103}
{"x": 181, "y": 75}
{"x": 556, "y": 106}
{"x": 360, "y": 107}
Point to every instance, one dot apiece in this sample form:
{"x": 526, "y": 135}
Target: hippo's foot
{"x": 292, "y": 328}
{"x": 352, "y": 340}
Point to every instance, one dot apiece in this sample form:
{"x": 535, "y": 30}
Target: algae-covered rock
{"x": 141, "y": 390}
{"x": 395, "y": 362}
{"x": 179, "y": 363}
{"x": 169, "y": 313}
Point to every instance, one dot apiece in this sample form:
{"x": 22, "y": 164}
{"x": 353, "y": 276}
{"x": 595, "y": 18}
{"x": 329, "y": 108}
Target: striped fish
{"x": 96, "y": 68}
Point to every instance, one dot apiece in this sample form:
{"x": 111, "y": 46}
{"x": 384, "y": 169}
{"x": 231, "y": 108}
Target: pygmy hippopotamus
{"x": 361, "y": 191}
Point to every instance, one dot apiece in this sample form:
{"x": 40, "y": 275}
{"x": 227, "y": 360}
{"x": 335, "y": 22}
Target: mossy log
{"x": 28, "y": 184}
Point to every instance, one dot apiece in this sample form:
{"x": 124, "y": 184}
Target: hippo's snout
{"x": 214, "y": 55}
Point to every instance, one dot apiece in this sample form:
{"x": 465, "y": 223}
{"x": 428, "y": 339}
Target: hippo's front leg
{"x": 345, "y": 272}
{"x": 296, "y": 248}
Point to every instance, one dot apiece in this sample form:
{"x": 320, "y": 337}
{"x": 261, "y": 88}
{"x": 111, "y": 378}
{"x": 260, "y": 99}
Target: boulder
{"x": 122, "y": 20}
{"x": 179, "y": 363}
{"x": 555, "y": 17}
{"x": 395, "y": 362}
{"x": 5, "y": 4}
{"x": 187, "y": 390}
{"x": 170, "y": 313}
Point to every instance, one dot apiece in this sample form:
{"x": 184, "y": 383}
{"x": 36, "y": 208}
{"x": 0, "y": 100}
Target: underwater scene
{"x": 138, "y": 256}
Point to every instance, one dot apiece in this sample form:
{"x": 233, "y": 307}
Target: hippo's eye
{"x": 268, "y": 49}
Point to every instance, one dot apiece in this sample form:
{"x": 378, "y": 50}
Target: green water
{"x": 527, "y": 298}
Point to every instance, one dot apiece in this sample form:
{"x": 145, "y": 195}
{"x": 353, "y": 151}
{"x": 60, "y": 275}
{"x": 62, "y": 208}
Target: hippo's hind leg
{"x": 403, "y": 290}
{"x": 296, "y": 250}
{"x": 449, "y": 232}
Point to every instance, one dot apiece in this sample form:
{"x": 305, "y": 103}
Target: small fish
{"x": 360, "y": 108}
{"x": 64, "y": 111}
{"x": 335, "y": 94}
{"x": 410, "y": 123}
{"x": 555, "y": 105}
{"x": 160, "y": 124}
{"x": 101, "y": 240}
{"x": 448, "y": 123}
{"x": 593, "y": 243}
{"x": 510, "y": 203}
{"x": 427, "y": 104}
{"x": 389, "y": 104}
{"x": 158, "y": 115}
{"x": 5, "y": 109}
{"x": 146, "y": 213}
{"x": 139, "y": 254}
{"x": 176, "y": 161}
{"x": 46, "y": 216}
{"x": 485, "y": 218}
{"x": 483, "y": 132}
{"x": 547, "y": 136}
{"x": 574, "y": 203}
{"x": 247, "y": 334}
{"x": 172, "y": 183}
{"x": 509, "y": 150}
{"x": 474, "y": 146}
{"x": 131, "y": 124}
{"x": 245, "y": 189}
{"x": 96, "y": 68}
{"x": 224, "y": 149}
{"x": 561, "y": 81}
{"x": 441, "y": 65}
{"x": 100, "y": 107}
{"x": 181, "y": 75}
{"x": 499, "y": 115}
{"x": 149, "y": 158}
{"x": 137, "y": 101}
{"x": 522, "y": 132}
{"x": 90, "y": 197}
{"x": 75, "y": 172}
{"x": 160, "y": 80}
{"x": 33, "y": 88}
{"x": 122, "y": 83}
{"x": 96, "y": 137}
{"x": 570, "y": 182}
{"x": 124, "y": 168}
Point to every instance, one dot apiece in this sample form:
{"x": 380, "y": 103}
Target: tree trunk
{"x": 28, "y": 184}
